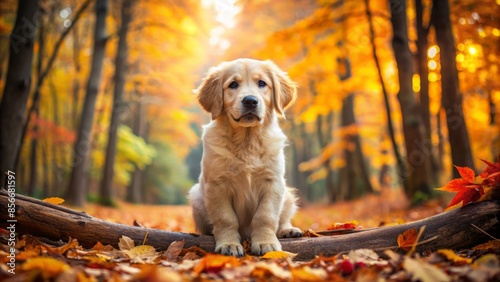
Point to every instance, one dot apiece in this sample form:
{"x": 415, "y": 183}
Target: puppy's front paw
{"x": 260, "y": 248}
{"x": 293, "y": 232}
{"x": 230, "y": 249}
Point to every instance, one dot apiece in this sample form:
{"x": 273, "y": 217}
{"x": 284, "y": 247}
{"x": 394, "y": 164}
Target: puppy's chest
{"x": 253, "y": 160}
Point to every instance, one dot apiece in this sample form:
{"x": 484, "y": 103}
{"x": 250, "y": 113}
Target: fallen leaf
{"x": 143, "y": 251}
{"x": 48, "y": 266}
{"x": 489, "y": 263}
{"x": 214, "y": 263}
{"x": 345, "y": 225}
{"x": 264, "y": 271}
{"x": 98, "y": 246}
{"x": 365, "y": 256}
{"x": 174, "y": 250}
{"x": 407, "y": 239}
{"x": 490, "y": 245}
{"x": 54, "y": 200}
{"x": 73, "y": 243}
{"x": 452, "y": 256}
{"x": 278, "y": 255}
{"x": 126, "y": 243}
{"x": 311, "y": 233}
{"x": 307, "y": 273}
{"x": 423, "y": 271}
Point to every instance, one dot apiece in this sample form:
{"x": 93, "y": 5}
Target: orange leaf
{"x": 278, "y": 255}
{"x": 54, "y": 200}
{"x": 466, "y": 173}
{"x": 454, "y": 185}
{"x": 345, "y": 225}
{"x": 213, "y": 263}
{"x": 48, "y": 266}
{"x": 98, "y": 246}
{"x": 407, "y": 239}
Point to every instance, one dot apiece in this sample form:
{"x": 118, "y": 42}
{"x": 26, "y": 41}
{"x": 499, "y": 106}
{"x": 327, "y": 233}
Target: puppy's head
{"x": 248, "y": 92}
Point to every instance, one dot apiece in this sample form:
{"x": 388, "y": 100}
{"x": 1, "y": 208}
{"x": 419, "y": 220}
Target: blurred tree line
{"x": 97, "y": 104}
{"x": 96, "y": 97}
{"x": 392, "y": 93}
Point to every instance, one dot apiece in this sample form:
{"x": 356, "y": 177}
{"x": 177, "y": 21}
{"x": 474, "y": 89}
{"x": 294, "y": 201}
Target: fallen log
{"x": 457, "y": 229}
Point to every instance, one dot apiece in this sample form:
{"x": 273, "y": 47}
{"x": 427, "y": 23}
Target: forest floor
{"x": 41, "y": 261}
{"x": 390, "y": 207}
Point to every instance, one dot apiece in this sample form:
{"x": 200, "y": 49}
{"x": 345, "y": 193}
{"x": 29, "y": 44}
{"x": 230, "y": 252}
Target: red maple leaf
{"x": 468, "y": 190}
{"x": 491, "y": 174}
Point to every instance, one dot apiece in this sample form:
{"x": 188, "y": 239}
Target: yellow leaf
{"x": 452, "y": 256}
{"x": 278, "y": 255}
{"x": 48, "y": 267}
{"x": 487, "y": 262}
{"x": 54, "y": 200}
{"x": 423, "y": 271}
{"x": 142, "y": 251}
{"x": 308, "y": 274}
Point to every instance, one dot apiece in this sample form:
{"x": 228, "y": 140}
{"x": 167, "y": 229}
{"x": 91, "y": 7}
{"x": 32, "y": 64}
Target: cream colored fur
{"x": 241, "y": 192}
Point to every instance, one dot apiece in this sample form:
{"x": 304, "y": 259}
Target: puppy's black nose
{"x": 250, "y": 102}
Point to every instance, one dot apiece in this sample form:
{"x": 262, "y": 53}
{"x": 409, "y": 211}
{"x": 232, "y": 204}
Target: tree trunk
{"x": 417, "y": 148}
{"x": 43, "y": 74}
{"x": 298, "y": 177}
{"x": 423, "y": 71}
{"x": 134, "y": 188}
{"x": 46, "y": 168}
{"x": 17, "y": 83}
{"x": 106, "y": 191}
{"x": 401, "y": 167}
{"x": 353, "y": 177}
{"x": 323, "y": 135}
{"x": 57, "y": 159}
{"x": 457, "y": 229}
{"x": 33, "y": 161}
{"x": 458, "y": 136}
{"x": 76, "y": 190}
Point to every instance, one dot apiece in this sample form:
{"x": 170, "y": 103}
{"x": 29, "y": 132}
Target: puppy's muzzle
{"x": 250, "y": 112}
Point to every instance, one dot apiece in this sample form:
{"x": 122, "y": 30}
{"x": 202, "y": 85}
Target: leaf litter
{"x": 37, "y": 260}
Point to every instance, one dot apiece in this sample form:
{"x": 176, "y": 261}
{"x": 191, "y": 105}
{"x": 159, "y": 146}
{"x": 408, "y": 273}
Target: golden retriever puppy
{"x": 241, "y": 192}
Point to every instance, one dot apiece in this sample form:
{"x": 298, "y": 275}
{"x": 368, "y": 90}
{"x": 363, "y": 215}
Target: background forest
{"x": 97, "y": 100}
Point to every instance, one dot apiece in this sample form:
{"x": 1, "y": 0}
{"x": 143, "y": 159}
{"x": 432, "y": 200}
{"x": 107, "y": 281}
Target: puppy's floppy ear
{"x": 284, "y": 89}
{"x": 210, "y": 92}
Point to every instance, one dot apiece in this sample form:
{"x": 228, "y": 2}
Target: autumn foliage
{"x": 471, "y": 188}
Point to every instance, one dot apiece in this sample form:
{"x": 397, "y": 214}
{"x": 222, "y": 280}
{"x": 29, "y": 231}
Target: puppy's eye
{"x": 262, "y": 83}
{"x": 233, "y": 85}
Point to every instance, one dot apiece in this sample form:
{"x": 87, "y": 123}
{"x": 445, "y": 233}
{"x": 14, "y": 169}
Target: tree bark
{"x": 461, "y": 153}
{"x": 401, "y": 167}
{"x": 457, "y": 229}
{"x": 106, "y": 191}
{"x": 134, "y": 194}
{"x": 423, "y": 72}
{"x": 353, "y": 177}
{"x": 76, "y": 192}
{"x": 17, "y": 83}
{"x": 417, "y": 151}
{"x": 43, "y": 74}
